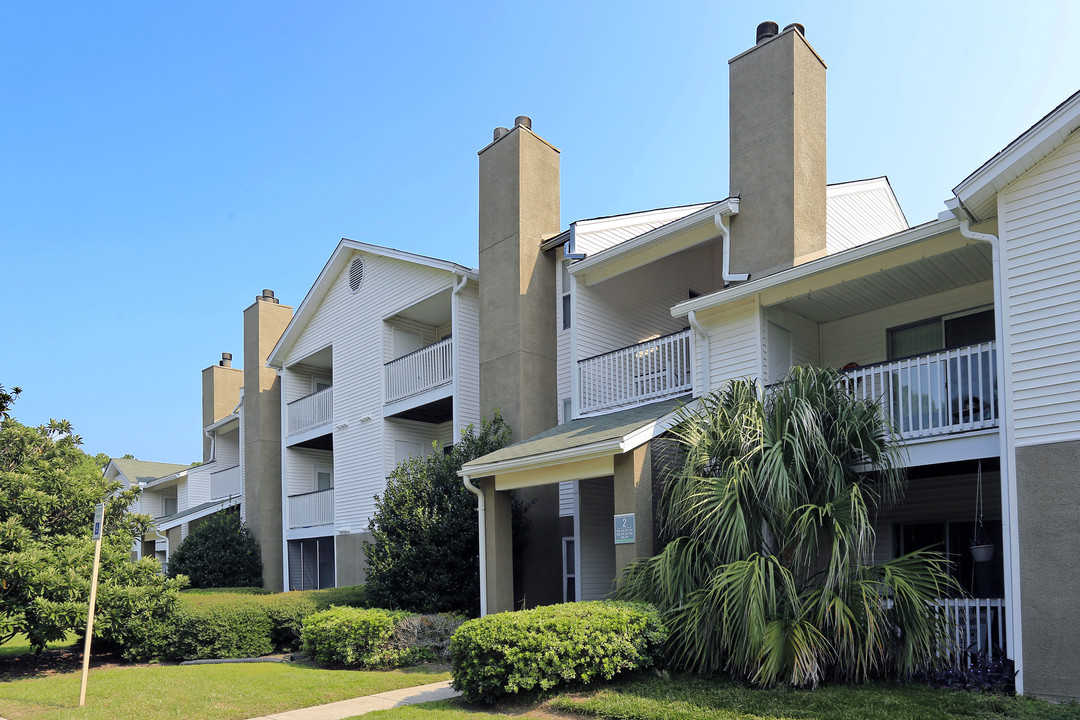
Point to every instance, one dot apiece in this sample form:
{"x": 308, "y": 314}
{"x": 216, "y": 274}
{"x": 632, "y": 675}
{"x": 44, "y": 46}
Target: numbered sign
{"x": 99, "y": 519}
{"x": 624, "y": 529}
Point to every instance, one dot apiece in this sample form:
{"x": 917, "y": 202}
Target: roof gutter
{"x": 721, "y": 226}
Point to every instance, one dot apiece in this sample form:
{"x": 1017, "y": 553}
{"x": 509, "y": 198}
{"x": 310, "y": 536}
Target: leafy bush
{"x": 354, "y": 637}
{"x": 979, "y": 672}
{"x": 220, "y": 552}
{"x": 535, "y": 650}
{"x": 423, "y": 554}
{"x": 238, "y": 628}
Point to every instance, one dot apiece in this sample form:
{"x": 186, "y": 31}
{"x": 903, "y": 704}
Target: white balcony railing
{"x": 419, "y": 371}
{"x": 311, "y": 410}
{"x": 224, "y": 483}
{"x": 978, "y": 626}
{"x": 945, "y": 392}
{"x": 649, "y": 371}
{"x": 311, "y": 508}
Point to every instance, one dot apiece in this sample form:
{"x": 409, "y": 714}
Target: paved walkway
{"x": 359, "y": 706}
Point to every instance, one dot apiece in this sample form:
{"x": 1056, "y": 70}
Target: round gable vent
{"x": 356, "y": 274}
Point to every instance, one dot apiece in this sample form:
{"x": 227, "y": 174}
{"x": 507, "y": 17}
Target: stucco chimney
{"x": 519, "y": 208}
{"x": 777, "y": 125}
{"x": 221, "y": 385}
{"x": 264, "y": 321}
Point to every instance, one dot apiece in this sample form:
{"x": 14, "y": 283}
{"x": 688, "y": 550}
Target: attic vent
{"x": 356, "y": 274}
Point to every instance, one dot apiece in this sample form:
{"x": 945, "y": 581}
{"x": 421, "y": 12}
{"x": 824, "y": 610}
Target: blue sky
{"x": 161, "y": 163}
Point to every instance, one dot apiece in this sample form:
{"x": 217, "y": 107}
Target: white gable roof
{"x": 860, "y": 211}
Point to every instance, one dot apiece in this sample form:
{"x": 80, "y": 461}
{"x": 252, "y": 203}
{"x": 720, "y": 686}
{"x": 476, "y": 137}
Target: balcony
{"x": 311, "y": 508}
{"x": 419, "y": 372}
{"x": 224, "y": 483}
{"x": 642, "y": 373}
{"x": 947, "y": 392}
{"x": 311, "y": 411}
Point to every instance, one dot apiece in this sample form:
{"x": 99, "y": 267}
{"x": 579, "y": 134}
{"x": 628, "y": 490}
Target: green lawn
{"x": 195, "y": 692}
{"x": 689, "y": 698}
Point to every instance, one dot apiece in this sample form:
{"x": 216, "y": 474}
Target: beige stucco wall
{"x": 351, "y": 562}
{"x": 263, "y": 324}
{"x": 634, "y": 494}
{"x": 1048, "y": 501}
{"x": 777, "y": 160}
{"x": 220, "y": 394}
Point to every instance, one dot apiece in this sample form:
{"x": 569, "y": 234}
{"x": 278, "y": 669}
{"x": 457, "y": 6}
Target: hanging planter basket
{"x": 982, "y": 553}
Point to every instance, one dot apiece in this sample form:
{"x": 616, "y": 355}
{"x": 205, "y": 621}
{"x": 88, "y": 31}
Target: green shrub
{"x": 536, "y": 650}
{"x": 230, "y": 590}
{"x": 239, "y": 627}
{"x": 352, "y": 637}
{"x": 220, "y": 552}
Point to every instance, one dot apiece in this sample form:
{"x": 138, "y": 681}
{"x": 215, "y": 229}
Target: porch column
{"x": 498, "y": 548}
{"x": 633, "y": 494}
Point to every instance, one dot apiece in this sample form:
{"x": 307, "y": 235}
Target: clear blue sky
{"x": 161, "y": 163}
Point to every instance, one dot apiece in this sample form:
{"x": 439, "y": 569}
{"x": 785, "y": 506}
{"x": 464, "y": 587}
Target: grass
{"x": 686, "y": 697}
{"x": 196, "y": 692}
{"x": 19, "y": 645}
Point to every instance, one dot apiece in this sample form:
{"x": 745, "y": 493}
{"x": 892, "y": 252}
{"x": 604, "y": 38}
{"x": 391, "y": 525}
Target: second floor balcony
{"x": 646, "y": 372}
{"x": 224, "y": 483}
{"x": 311, "y": 411}
{"x": 947, "y": 392}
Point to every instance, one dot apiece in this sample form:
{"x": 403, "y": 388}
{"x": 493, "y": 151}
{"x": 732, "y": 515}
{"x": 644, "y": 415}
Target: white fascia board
{"x": 537, "y": 462}
{"x": 830, "y": 262}
{"x": 175, "y": 477}
{"x": 222, "y": 422}
{"x": 1033, "y": 145}
{"x": 218, "y": 506}
{"x": 654, "y": 237}
{"x": 447, "y": 265}
{"x": 614, "y": 446}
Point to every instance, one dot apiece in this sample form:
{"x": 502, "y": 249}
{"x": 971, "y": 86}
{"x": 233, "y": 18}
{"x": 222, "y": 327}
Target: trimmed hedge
{"x": 355, "y": 637}
{"x": 206, "y": 625}
{"x": 539, "y": 649}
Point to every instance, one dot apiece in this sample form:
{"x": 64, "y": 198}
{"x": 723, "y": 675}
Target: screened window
{"x": 941, "y": 333}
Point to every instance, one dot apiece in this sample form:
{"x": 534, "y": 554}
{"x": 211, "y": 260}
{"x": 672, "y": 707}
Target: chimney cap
{"x": 226, "y": 359}
{"x": 523, "y": 121}
{"x": 499, "y": 133}
{"x": 767, "y": 30}
{"x": 797, "y": 26}
{"x": 267, "y": 296}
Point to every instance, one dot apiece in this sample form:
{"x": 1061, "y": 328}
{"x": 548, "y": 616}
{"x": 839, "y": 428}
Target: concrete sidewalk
{"x": 359, "y": 706}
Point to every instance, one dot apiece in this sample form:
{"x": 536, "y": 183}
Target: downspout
{"x": 162, "y": 536}
{"x": 706, "y": 375}
{"x": 455, "y": 361}
{"x": 481, "y": 520}
{"x": 725, "y": 233}
{"x": 1009, "y": 499}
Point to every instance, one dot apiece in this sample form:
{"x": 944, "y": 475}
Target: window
{"x": 566, "y": 295}
{"x": 569, "y": 572}
{"x": 567, "y": 410}
{"x": 324, "y": 478}
{"x": 168, "y": 506}
{"x": 320, "y": 382}
{"x": 941, "y": 333}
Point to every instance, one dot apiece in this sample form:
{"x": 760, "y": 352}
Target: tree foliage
{"x": 423, "y": 553}
{"x": 768, "y": 517}
{"x": 48, "y": 489}
{"x": 220, "y": 552}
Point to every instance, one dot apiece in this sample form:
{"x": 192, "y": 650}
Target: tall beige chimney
{"x": 221, "y": 385}
{"x": 519, "y": 208}
{"x": 777, "y": 105}
{"x": 264, "y": 321}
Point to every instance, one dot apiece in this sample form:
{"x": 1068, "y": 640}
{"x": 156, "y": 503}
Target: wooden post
{"x": 99, "y": 521}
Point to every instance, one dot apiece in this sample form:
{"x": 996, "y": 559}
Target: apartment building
{"x": 963, "y": 326}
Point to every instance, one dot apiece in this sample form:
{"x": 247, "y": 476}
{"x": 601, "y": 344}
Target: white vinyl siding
{"x": 805, "y": 337}
{"x": 1039, "y": 225}
{"x": 467, "y": 347}
{"x": 562, "y": 342}
{"x": 566, "y": 499}
{"x": 198, "y": 485}
{"x": 863, "y": 338}
{"x": 227, "y": 450}
{"x": 596, "y": 538}
{"x": 735, "y": 342}
{"x": 636, "y": 305}
{"x": 300, "y": 477}
{"x": 353, "y": 324}
{"x": 858, "y": 212}
{"x": 417, "y": 436}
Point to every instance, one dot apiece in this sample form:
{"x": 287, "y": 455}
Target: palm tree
{"x": 767, "y": 515}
